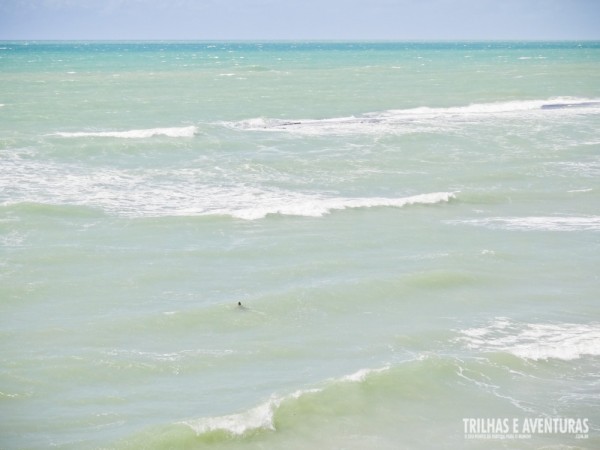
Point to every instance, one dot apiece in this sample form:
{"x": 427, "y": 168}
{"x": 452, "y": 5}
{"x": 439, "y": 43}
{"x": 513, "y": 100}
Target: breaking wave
{"x": 134, "y": 134}
{"x": 176, "y": 193}
{"x": 422, "y": 119}
{"x": 318, "y": 207}
{"x": 263, "y": 416}
{"x": 342, "y": 402}
{"x": 236, "y": 203}
{"x": 536, "y": 341}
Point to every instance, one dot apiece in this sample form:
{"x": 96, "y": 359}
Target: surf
{"x": 423, "y": 118}
{"x": 536, "y": 223}
{"x": 535, "y": 341}
{"x": 319, "y": 207}
{"x": 173, "y": 132}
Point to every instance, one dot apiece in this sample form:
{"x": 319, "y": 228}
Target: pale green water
{"x": 413, "y": 229}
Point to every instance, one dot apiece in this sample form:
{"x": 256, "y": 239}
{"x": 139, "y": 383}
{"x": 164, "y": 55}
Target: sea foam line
{"x": 235, "y": 203}
{"x": 133, "y": 134}
{"x": 536, "y": 341}
{"x": 537, "y": 223}
{"x": 175, "y": 193}
{"x": 318, "y": 207}
{"x": 423, "y": 119}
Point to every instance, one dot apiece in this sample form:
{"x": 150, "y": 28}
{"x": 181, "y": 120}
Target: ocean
{"x": 292, "y": 245}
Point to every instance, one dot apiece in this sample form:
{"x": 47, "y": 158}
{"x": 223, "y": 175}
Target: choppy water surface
{"x": 413, "y": 231}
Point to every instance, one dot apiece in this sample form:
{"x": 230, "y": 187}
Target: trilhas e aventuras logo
{"x": 524, "y": 428}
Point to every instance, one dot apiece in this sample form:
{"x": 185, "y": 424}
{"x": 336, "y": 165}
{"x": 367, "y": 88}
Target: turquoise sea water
{"x": 413, "y": 230}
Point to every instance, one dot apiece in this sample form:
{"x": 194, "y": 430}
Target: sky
{"x": 300, "y": 19}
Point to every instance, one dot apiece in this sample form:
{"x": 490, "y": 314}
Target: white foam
{"x": 316, "y": 206}
{"x": 172, "y": 192}
{"x": 580, "y": 190}
{"x": 537, "y": 223}
{"x": 362, "y": 374}
{"x": 536, "y": 341}
{"x": 588, "y": 169}
{"x": 134, "y": 134}
{"x": 424, "y": 119}
{"x": 146, "y": 356}
{"x": 175, "y": 192}
{"x": 257, "y": 418}
{"x": 12, "y": 239}
{"x": 261, "y": 417}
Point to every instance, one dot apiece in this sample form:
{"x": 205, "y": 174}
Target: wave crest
{"x": 134, "y": 134}
{"x": 258, "y": 418}
{"x": 318, "y": 207}
{"x": 423, "y": 119}
{"x": 263, "y": 416}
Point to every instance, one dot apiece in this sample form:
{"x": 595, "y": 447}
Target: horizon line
{"x": 323, "y": 40}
